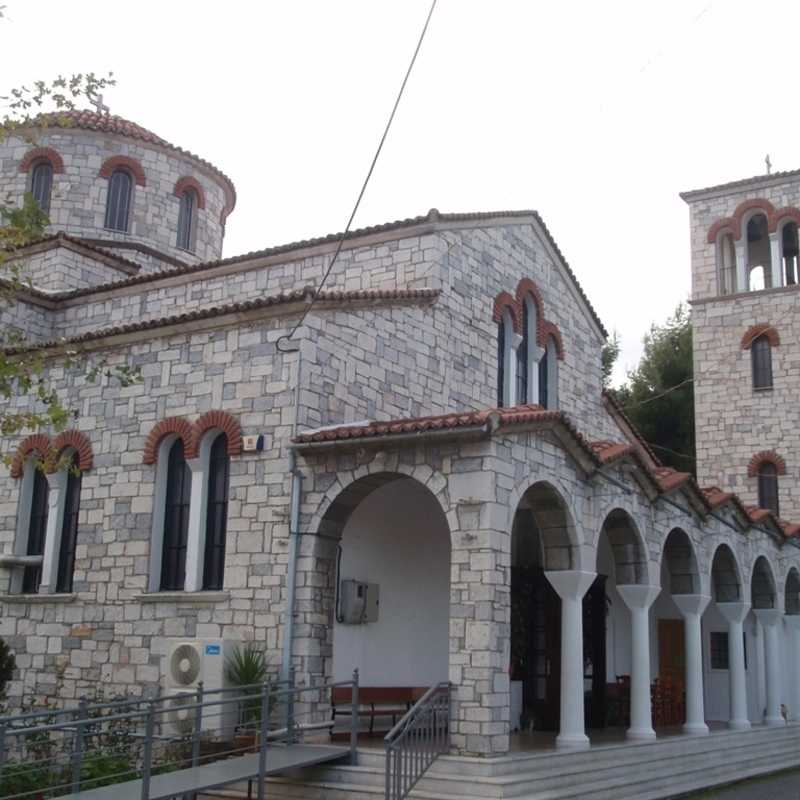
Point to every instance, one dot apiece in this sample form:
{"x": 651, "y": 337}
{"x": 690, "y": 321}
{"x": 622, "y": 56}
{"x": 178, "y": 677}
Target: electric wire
{"x": 346, "y": 231}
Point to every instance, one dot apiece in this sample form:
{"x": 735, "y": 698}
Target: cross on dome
{"x": 99, "y": 107}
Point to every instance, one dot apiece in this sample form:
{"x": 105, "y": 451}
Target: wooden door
{"x": 669, "y": 705}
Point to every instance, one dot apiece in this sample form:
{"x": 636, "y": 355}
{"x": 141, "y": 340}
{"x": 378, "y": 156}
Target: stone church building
{"x": 436, "y": 428}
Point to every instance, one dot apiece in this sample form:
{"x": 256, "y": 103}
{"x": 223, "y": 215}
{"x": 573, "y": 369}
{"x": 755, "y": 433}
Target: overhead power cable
{"x": 346, "y": 231}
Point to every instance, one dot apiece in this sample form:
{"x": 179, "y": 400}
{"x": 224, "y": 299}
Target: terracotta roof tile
{"x": 611, "y": 451}
{"x": 608, "y": 394}
{"x": 669, "y": 478}
{"x": 778, "y": 176}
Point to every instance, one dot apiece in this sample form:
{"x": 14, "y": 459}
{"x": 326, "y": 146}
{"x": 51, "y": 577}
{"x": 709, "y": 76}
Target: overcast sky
{"x": 594, "y": 113}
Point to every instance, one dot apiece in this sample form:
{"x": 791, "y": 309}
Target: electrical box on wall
{"x": 358, "y": 602}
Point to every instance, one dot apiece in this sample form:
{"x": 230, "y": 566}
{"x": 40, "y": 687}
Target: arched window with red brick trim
{"x": 761, "y": 362}
{"x": 790, "y": 251}
{"x": 218, "y": 471}
{"x": 41, "y": 184}
{"x": 758, "y": 260}
{"x": 726, "y": 262}
{"x": 768, "y": 487}
{"x": 187, "y": 219}
{"x": 118, "y": 200}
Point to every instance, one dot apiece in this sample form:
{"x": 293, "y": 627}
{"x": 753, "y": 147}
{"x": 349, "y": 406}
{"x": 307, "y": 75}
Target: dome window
{"x": 187, "y": 219}
{"x": 118, "y": 204}
{"x": 42, "y": 184}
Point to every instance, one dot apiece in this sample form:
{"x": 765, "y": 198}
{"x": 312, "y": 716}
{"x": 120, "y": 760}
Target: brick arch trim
{"x": 527, "y": 287}
{"x": 766, "y": 457}
{"x": 36, "y": 443}
{"x": 727, "y": 224}
{"x": 505, "y": 301}
{"x": 80, "y": 441}
{"x": 789, "y": 213}
{"x": 182, "y": 428}
{"x": 546, "y": 330}
{"x": 188, "y": 182}
{"x": 42, "y": 154}
{"x": 227, "y": 423}
{"x": 758, "y": 204}
{"x": 124, "y": 162}
{"x": 754, "y": 331}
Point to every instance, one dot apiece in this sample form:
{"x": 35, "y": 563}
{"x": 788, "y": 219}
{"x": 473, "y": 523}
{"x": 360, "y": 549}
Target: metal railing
{"x": 53, "y": 752}
{"x": 417, "y": 740}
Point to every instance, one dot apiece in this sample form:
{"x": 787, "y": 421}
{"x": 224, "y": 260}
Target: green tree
{"x": 609, "y": 357}
{"x": 659, "y": 394}
{"x": 28, "y": 400}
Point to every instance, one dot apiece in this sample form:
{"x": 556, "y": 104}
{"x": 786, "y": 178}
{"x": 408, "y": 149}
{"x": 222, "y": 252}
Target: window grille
{"x": 719, "y": 650}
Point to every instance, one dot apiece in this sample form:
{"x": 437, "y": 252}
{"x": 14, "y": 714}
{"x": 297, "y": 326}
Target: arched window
{"x": 768, "y": 487}
{"x": 501, "y": 362}
{"x": 726, "y": 264}
{"x": 523, "y": 359}
{"x": 790, "y": 252}
{"x": 42, "y": 184}
{"x": 186, "y": 219}
{"x": 216, "y": 514}
{"x": 759, "y": 258}
{"x": 543, "y": 379}
{"x": 176, "y": 519}
{"x": 548, "y": 375}
{"x": 761, "y": 358}
{"x": 69, "y": 527}
{"x": 37, "y": 529}
{"x": 118, "y": 202}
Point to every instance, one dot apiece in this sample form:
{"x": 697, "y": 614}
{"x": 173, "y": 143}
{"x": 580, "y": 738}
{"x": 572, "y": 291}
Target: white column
{"x": 639, "y": 598}
{"x": 770, "y": 619}
{"x": 735, "y": 613}
{"x": 692, "y": 607}
{"x": 741, "y": 268}
{"x": 196, "y": 542}
{"x": 793, "y": 626}
{"x": 56, "y": 496}
{"x": 775, "y": 256}
{"x": 571, "y": 586}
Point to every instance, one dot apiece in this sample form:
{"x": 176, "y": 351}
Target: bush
{"x": 7, "y": 666}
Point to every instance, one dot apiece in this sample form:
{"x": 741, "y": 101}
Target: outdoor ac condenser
{"x": 186, "y": 663}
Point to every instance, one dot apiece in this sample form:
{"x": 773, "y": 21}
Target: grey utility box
{"x": 358, "y": 602}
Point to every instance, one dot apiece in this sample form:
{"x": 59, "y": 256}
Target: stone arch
{"x": 527, "y": 287}
{"x": 549, "y": 329}
{"x": 627, "y": 546}
{"x": 786, "y": 214}
{"x": 542, "y": 506}
{"x": 505, "y": 302}
{"x": 181, "y": 427}
{"x": 81, "y": 444}
{"x": 680, "y": 559}
{"x": 42, "y": 154}
{"x": 223, "y": 421}
{"x": 188, "y": 182}
{"x": 766, "y": 457}
{"x": 758, "y": 206}
{"x": 726, "y": 576}
{"x": 36, "y": 443}
{"x": 725, "y": 225}
{"x": 763, "y": 592}
{"x": 754, "y": 331}
{"x": 792, "y": 592}
{"x": 123, "y": 162}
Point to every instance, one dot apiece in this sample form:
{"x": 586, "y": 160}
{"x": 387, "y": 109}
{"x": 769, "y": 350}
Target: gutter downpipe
{"x": 294, "y": 528}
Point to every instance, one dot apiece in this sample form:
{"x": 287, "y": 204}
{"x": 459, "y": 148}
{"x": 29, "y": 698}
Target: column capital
{"x": 570, "y": 583}
{"x": 638, "y": 595}
{"x": 768, "y": 616}
{"x": 195, "y": 464}
{"x": 691, "y": 603}
{"x": 734, "y": 612}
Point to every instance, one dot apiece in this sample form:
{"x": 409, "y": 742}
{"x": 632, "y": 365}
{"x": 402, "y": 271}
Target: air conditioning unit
{"x": 185, "y": 664}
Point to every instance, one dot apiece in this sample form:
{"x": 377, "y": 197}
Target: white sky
{"x": 595, "y": 113}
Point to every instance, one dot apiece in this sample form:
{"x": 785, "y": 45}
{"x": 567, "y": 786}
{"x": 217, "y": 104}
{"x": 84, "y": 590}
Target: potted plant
{"x": 247, "y": 669}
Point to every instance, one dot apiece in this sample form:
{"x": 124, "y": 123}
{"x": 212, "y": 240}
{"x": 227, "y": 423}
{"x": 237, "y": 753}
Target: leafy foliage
{"x": 7, "y": 666}
{"x": 609, "y": 357}
{"x": 247, "y": 667}
{"x": 659, "y": 394}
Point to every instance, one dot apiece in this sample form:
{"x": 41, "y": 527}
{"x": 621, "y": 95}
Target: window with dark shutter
{"x": 523, "y": 358}
{"x": 186, "y": 217}
{"x": 42, "y": 184}
{"x": 118, "y": 202}
{"x": 543, "y": 379}
{"x": 719, "y": 650}
{"x": 761, "y": 355}
{"x": 176, "y": 520}
{"x": 69, "y": 528}
{"x": 768, "y": 487}
{"x": 216, "y": 514}
{"x": 501, "y": 367}
{"x": 37, "y": 528}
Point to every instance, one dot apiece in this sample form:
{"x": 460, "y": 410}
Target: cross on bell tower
{"x": 99, "y": 107}
{"x": 769, "y": 164}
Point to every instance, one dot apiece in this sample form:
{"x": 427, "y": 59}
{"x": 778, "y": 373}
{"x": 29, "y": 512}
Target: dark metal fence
{"x": 417, "y": 740}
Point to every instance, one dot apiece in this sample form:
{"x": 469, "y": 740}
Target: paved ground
{"x": 785, "y": 786}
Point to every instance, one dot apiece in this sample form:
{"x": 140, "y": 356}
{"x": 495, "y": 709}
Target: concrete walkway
{"x": 785, "y": 786}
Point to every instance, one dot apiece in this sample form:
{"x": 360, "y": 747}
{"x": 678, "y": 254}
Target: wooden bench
{"x": 375, "y": 702}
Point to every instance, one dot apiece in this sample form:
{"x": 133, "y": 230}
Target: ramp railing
{"x": 417, "y": 740}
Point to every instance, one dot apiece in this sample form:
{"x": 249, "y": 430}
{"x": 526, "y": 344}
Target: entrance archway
{"x": 792, "y": 621}
{"x": 763, "y": 598}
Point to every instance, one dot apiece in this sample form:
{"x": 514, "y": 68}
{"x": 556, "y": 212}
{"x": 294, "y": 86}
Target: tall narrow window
{"x": 69, "y": 528}
{"x": 759, "y": 258}
{"x": 186, "y": 219}
{"x": 726, "y": 260}
{"x": 37, "y": 527}
{"x": 791, "y": 251}
{"x": 217, "y": 514}
{"x": 501, "y": 358}
{"x": 768, "y": 487}
{"x": 543, "y": 379}
{"x": 761, "y": 357}
{"x": 118, "y": 203}
{"x": 42, "y": 184}
{"x": 176, "y": 520}
{"x": 523, "y": 359}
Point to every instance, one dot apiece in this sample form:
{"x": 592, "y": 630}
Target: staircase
{"x": 667, "y": 768}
